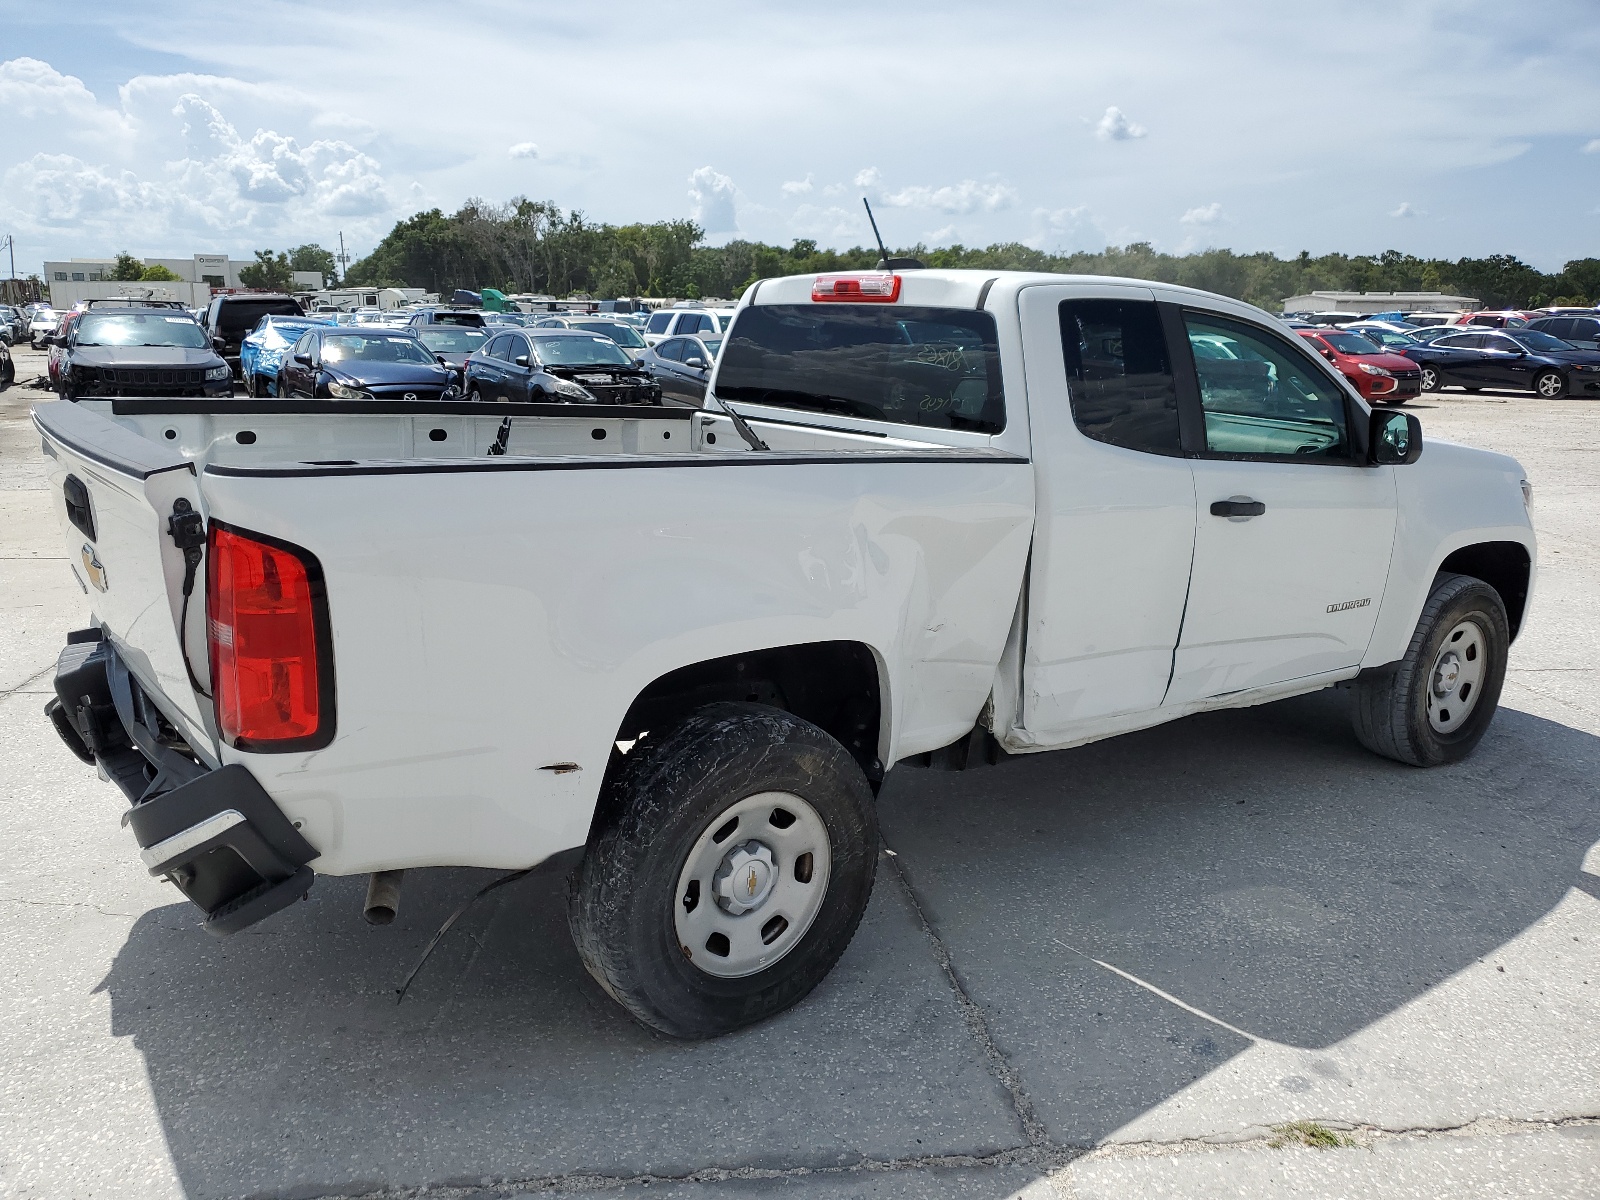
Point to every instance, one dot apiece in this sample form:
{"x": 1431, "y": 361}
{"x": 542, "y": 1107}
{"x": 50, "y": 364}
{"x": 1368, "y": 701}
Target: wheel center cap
{"x": 1446, "y": 674}
{"x": 745, "y": 879}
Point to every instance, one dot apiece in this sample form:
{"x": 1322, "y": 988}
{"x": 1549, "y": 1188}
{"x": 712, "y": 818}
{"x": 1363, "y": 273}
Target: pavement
{"x": 1118, "y": 971}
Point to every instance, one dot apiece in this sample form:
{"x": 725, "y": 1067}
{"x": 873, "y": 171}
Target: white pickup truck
{"x": 935, "y": 516}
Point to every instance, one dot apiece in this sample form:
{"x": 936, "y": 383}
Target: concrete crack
{"x": 977, "y": 1024}
{"x": 63, "y": 904}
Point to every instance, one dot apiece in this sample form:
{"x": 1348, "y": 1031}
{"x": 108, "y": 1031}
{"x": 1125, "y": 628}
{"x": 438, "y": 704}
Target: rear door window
{"x": 1119, "y": 375}
{"x": 934, "y": 367}
{"x": 671, "y": 349}
{"x": 659, "y": 322}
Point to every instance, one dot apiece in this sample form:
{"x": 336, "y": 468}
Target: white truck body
{"x": 495, "y": 618}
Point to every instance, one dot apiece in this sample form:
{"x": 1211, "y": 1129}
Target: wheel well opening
{"x": 834, "y": 685}
{"x": 1504, "y": 566}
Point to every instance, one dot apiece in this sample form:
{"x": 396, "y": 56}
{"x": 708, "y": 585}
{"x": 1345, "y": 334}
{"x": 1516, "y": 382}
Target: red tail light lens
{"x": 857, "y": 289}
{"x": 271, "y": 655}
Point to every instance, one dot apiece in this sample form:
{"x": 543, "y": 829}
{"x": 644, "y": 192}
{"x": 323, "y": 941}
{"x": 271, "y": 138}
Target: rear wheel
{"x": 1430, "y": 379}
{"x": 731, "y": 862}
{"x": 1552, "y": 385}
{"x": 1435, "y": 704}
{"x": 474, "y": 394}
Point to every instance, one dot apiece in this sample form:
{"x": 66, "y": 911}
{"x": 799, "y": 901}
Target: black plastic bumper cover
{"x": 217, "y": 835}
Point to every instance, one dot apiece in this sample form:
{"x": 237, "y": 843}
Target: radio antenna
{"x": 883, "y": 263}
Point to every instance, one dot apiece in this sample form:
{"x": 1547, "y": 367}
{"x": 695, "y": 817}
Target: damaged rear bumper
{"x": 215, "y": 834}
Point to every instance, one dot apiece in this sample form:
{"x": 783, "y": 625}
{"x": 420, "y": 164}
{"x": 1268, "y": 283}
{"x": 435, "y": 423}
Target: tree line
{"x": 534, "y": 246}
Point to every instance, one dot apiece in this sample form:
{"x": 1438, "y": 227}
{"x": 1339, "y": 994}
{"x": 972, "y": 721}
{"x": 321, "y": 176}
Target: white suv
{"x": 685, "y": 322}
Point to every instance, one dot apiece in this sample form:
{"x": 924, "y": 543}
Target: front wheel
{"x": 1430, "y": 379}
{"x": 1435, "y": 704}
{"x": 1552, "y": 385}
{"x": 731, "y": 862}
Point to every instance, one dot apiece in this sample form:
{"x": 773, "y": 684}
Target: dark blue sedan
{"x": 1523, "y": 359}
{"x": 347, "y": 362}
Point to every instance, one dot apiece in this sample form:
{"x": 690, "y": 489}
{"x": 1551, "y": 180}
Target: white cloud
{"x": 868, "y": 177}
{"x": 32, "y": 89}
{"x": 1592, "y": 147}
{"x": 711, "y": 198}
{"x": 523, "y": 150}
{"x": 1206, "y": 214}
{"x": 1407, "y": 209}
{"x": 797, "y": 187}
{"x": 1115, "y": 127}
{"x": 832, "y": 225}
{"x": 968, "y": 196}
{"x": 942, "y": 236}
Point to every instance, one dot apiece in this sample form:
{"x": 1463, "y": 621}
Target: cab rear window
{"x": 933, "y": 367}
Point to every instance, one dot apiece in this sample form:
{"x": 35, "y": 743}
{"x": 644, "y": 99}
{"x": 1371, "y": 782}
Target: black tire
{"x": 666, "y": 794}
{"x": 1390, "y": 710}
{"x": 474, "y": 394}
{"x": 1551, "y": 385}
{"x": 1430, "y": 380}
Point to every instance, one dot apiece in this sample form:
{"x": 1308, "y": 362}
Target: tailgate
{"x": 114, "y": 492}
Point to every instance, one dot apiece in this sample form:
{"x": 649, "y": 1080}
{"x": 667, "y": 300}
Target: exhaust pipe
{"x": 383, "y": 897}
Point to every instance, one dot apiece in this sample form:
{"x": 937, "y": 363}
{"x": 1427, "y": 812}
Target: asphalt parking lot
{"x": 1118, "y": 971}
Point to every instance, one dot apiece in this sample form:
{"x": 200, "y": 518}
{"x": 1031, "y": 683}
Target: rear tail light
{"x": 856, "y": 289}
{"x": 271, "y": 651}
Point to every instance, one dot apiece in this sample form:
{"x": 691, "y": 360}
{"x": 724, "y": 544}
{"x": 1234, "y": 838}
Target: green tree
{"x": 158, "y": 274}
{"x": 312, "y": 257}
{"x": 128, "y": 268}
{"x": 267, "y": 272}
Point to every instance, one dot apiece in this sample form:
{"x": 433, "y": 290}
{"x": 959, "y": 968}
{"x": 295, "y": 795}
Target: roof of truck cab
{"x": 963, "y": 288}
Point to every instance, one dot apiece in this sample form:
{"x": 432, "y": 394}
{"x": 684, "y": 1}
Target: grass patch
{"x": 1308, "y": 1133}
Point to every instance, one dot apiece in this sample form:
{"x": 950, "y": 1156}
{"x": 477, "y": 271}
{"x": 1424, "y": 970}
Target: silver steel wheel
{"x": 752, "y": 885}
{"x": 1457, "y": 677}
{"x": 1550, "y": 385}
{"x": 1430, "y": 379}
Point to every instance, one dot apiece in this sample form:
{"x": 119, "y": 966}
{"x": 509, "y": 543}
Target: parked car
{"x": 1582, "y": 331}
{"x": 138, "y": 352}
{"x": 56, "y": 345}
{"x": 1378, "y": 375}
{"x": 15, "y": 323}
{"x": 561, "y": 366}
{"x": 679, "y": 322}
{"x": 452, "y": 344}
{"x": 1515, "y": 358}
{"x": 447, "y": 316}
{"x": 41, "y": 325}
{"x": 430, "y": 655}
{"x": 1431, "y": 319}
{"x": 262, "y": 349}
{"x": 8, "y": 369}
{"x": 1493, "y": 319}
{"x": 1330, "y": 318}
{"x": 335, "y": 362}
{"x": 682, "y": 366}
{"x": 230, "y": 316}
{"x": 624, "y": 335}
{"x": 1390, "y": 337}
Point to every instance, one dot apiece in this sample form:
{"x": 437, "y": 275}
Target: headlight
{"x": 1372, "y": 370}
{"x": 347, "y": 391}
{"x": 565, "y": 387}
{"x": 222, "y": 372}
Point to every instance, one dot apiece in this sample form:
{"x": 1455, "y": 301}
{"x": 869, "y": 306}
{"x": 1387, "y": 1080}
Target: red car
{"x": 1380, "y": 377}
{"x": 1499, "y": 318}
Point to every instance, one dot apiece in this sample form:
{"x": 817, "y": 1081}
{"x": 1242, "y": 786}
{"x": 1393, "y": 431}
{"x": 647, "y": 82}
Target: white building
{"x": 1377, "y": 302}
{"x": 198, "y": 276}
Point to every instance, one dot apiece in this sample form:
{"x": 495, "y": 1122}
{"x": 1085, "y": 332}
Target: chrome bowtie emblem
{"x": 93, "y": 568}
{"x": 752, "y": 883}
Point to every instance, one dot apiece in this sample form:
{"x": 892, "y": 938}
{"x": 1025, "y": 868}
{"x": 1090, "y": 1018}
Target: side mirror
{"x": 1395, "y": 439}
{"x": 520, "y": 360}
{"x": 443, "y": 361}
{"x": 698, "y": 363}
{"x": 219, "y": 344}
{"x": 303, "y": 359}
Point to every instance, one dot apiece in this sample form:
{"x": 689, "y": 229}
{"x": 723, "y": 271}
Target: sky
{"x": 1442, "y": 129}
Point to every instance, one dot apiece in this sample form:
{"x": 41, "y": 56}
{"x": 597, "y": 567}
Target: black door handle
{"x": 1239, "y": 506}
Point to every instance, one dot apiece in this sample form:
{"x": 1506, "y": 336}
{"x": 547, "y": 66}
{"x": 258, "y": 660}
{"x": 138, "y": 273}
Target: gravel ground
{"x": 1118, "y": 971}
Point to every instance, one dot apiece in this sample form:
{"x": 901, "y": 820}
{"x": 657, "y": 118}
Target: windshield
{"x": 581, "y": 352}
{"x": 620, "y": 334}
{"x": 1388, "y": 337}
{"x": 451, "y": 339}
{"x": 938, "y": 367}
{"x": 1539, "y": 343}
{"x": 712, "y": 344}
{"x": 1351, "y": 343}
{"x": 141, "y": 329}
{"x": 350, "y": 347}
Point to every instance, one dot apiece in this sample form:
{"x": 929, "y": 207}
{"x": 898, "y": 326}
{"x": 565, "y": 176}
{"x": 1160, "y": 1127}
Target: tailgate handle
{"x": 78, "y": 511}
